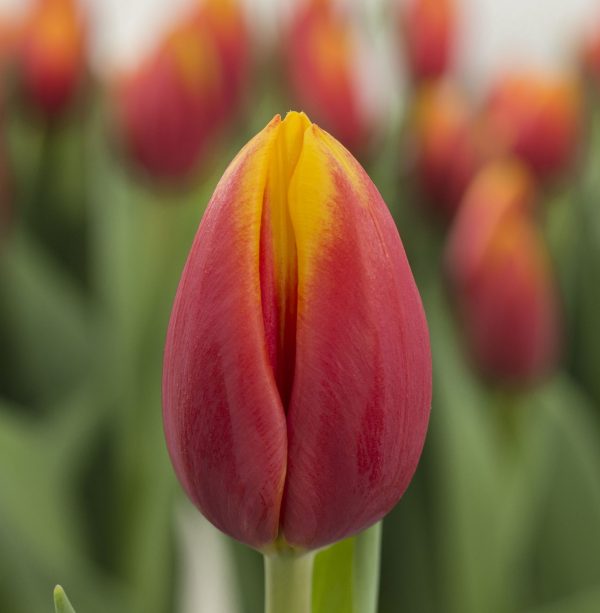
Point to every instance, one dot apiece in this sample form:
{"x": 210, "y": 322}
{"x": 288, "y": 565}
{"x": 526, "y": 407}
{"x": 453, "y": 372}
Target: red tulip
{"x": 429, "y": 31}
{"x": 297, "y": 373}
{"x": 447, "y": 150}
{"x": 7, "y": 38}
{"x": 225, "y": 21}
{"x": 321, "y": 64}
{"x": 52, "y": 55}
{"x": 501, "y": 276}
{"x": 169, "y": 107}
{"x": 590, "y": 55}
{"x": 537, "y": 118}
{"x": 172, "y": 107}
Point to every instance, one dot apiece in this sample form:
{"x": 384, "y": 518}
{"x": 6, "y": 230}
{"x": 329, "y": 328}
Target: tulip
{"x": 590, "y": 55}
{"x": 537, "y": 118}
{"x": 428, "y": 28}
{"x": 447, "y": 151}
{"x": 323, "y": 76}
{"x": 297, "y": 369}
{"x": 7, "y": 35}
{"x": 500, "y": 273}
{"x": 52, "y": 55}
{"x": 172, "y": 107}
{"x": 168, "y": 108}
{"x": 225, "y": 21}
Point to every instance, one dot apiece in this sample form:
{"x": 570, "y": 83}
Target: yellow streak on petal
{"x": 284, "y": 157}
{"x": 310, "y": 194}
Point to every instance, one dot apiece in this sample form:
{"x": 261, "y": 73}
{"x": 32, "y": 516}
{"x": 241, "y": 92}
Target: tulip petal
{"x": 224, "y": 423}
{"x": 362, "y": 387}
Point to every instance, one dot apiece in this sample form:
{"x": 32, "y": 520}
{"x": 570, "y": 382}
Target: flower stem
{"x": 288, "y": 583}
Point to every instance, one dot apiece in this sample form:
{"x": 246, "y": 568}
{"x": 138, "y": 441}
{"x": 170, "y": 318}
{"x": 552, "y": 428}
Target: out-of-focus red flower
{"x": 297, "y": 370}
{"x": 501, "y": 277}
{"x": 52, "y": 55}
{"x": 321, "y": 53}
{"x": 7, "y": 41}
{"x": 226, "y": 21}
{"x": 590, "y": 54}
{"x": 429, "y": 31}
{"x": 171, "y": 108}
{"x": 536, "y": 117}
{"x": 447, "y": 150}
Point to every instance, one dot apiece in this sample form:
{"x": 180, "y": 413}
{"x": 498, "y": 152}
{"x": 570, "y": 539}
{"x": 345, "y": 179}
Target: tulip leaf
{"x": 61, "y": 601}
{"x": 333, "y": 578}
{"x": 44, "y": 335}
{"x": 346, "y": 574}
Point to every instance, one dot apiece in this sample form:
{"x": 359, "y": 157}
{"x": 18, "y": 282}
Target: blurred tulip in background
{"x": 7, "y": 38}
{"x": 226, "y": 23}
{"x": 428, "y": 30}
{"x": 297, "y": 373}
{"x": 446, "y": 142}
{"x": 537, "y": 117}
{"x": 179, "y": 99}
{"x": 322, "y": 68}
{"x": 501, "y": 277}
{"x": 590, "y": 54}
{"x": 52, "y": 55}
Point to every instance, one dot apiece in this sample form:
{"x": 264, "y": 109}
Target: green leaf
{"x": 61, "y": 601}
{"x": 43, "y": 331}
{"x": 346, "y": 574}
{"x": 586, "y": 601}
{"x": 333, "y": 578}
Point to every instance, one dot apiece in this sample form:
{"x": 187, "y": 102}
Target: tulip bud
{"x": 169, "y": 108}
{"x": 297, "y": 370}
{"x": 447, "y": 152}
{"x": 52, "y": 55}
{"x": 590, "y": 55}
{"x": 501, "y": 277}
{"x": 536, "y": 118}
{"x": 322, "y": 67}
{"x": 428, "y": 28}
{"x": 225, "y": 21}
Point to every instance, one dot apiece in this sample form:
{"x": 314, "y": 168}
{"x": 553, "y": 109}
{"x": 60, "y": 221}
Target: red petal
{"x": 362, "y": 388}
{"x": 224, "y": 423}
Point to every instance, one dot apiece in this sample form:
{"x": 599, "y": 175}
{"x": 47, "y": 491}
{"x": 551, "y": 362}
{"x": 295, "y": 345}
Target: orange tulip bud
{"x": 52, "y": 55}
{"x": 447, "y": 151}
{"x": 428, "y": 28}
{"x": 297, "y": 370}
{"x": 537, "y": 118}
{"x": 322, "y": 68}
{"x": 501, "y": 277}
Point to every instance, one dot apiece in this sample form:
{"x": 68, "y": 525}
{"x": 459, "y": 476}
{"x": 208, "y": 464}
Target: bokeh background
{"x": 478, "y": 120}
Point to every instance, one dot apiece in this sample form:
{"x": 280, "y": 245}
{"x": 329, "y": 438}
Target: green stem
{"x": 288, "y": 583}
